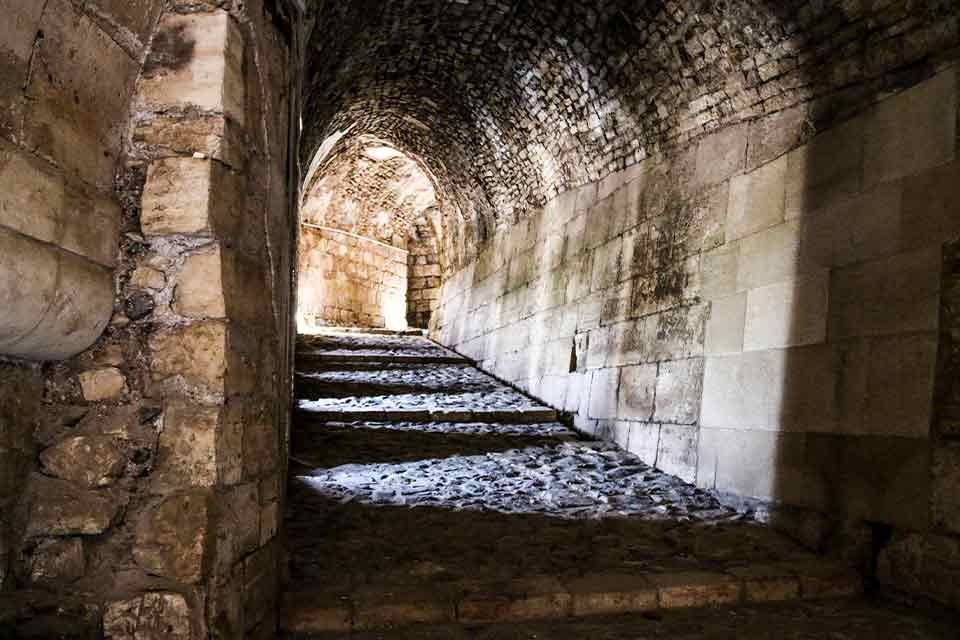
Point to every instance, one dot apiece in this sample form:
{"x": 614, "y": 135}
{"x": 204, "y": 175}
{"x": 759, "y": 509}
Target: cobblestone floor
{"x": 361, "y": 344}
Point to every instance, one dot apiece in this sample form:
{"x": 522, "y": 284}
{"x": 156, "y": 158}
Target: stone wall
{"x": 424, "y": 269}
{"x": 152, "y": 462}
{"x": 349, "y": 281}
{"x": 754, "y": 313}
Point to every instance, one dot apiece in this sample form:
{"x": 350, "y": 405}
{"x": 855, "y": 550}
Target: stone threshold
{"x": 548, "y": 597}
{"x": 332, "y": 331}
{"x": 504, "y": 416}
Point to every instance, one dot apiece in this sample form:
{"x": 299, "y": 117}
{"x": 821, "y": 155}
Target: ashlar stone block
{"x": 196, "y": 61}
{"x": 95, "y": 461}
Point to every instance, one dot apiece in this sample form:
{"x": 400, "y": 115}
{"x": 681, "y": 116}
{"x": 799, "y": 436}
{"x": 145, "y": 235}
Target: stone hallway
{"x": 423, "y": 491}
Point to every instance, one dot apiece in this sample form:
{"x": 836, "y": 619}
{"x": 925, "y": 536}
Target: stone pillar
{"x": 211, "y": 504}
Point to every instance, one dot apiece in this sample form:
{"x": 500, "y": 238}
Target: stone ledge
{"x": 550, "y": 597}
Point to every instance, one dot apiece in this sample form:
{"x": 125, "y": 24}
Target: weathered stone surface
{"x": 757, "y": 200}
{"x": 195, "y": 353}
{"x": 60, "y": 508}
{"x": 679, "y": 389}
{"x": 80, "y": 97}
{"x": 196, "y": 61}
{"x": 187, "y": 451}
{"x": 172, "y": 536}
{"x": 103, "y": 384}
{"x": 199, "y": 291}
{"x": 177, "y": 195}
{"x": 95, "y": 461}
{"x": 153, "y": 616}
{"x": 636, "y": 392}
{"x": 57, "y": 562}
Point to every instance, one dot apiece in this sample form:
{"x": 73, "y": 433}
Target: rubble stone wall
{"x": 349, "y": 280}
{"x": 756, "y": 313}
{"x": 148, "y": 468}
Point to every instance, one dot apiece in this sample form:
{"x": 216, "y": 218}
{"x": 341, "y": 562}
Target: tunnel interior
{"x": 713, "y": 240}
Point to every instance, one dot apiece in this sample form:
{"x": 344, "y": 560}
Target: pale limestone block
{"x": 196, "y": 353}
{"x": 644, "y": 441}
{"x": 176, "y": 197}
{"x": 621, "y": 434}
{"x": 772, "y": 255}
{"x": 719, "y": 269}
{"x": 726, "y": 324}
{"x": 787, "y": 313}
{"x": 677, "y": 451}
{"x": 826, "y": 170}
{"x": 603, "y": 393}
{"x": 721, "y": 155}
{"x": 679, "y": 387}
{"x": 912, "y": 131}
{"x": 636, "y": 395}
{"x": 757, "y": 200}
{"x": 199, "y": 291}
{"x": 199, "y": 64}
{"x": 103, "y": 384}
{"x": 187, "y": 449}
{"x": 79, "y": 103}
{"x": 744, "y": 390}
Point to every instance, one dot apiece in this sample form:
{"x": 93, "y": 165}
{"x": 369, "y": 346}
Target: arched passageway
{"x": 369, "y": 240}
{"x": 719, "y": 235}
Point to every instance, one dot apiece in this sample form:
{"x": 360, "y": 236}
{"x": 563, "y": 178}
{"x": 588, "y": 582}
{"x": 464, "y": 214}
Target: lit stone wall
{"x": 424, "y": 269}
{"x": 349, "y": 281}
{"x": 754, "y": 313}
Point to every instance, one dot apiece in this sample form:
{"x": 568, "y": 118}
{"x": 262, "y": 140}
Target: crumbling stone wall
{"x": 150, "y": 465}
{"x": 349, "y": 281}
{"x": 756, "y": 313}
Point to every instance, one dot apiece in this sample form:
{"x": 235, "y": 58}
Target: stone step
{"x": 506, "y": 416}
{"x": 362, "y": 357}
{"x": 549, "y": 598}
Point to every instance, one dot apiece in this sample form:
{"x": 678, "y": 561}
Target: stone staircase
{"x": 425, "y": 492}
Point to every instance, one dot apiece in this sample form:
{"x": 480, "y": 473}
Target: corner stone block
{"x": 199, "y": 288}
{"x": 171, "y": 537}
{"x": 187, "y": 447}
{"x": 196, "y": 61}
{"x": 187, "y": 196}
{"x": 153, "y": 616}
{"x": 196, "y": 353}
